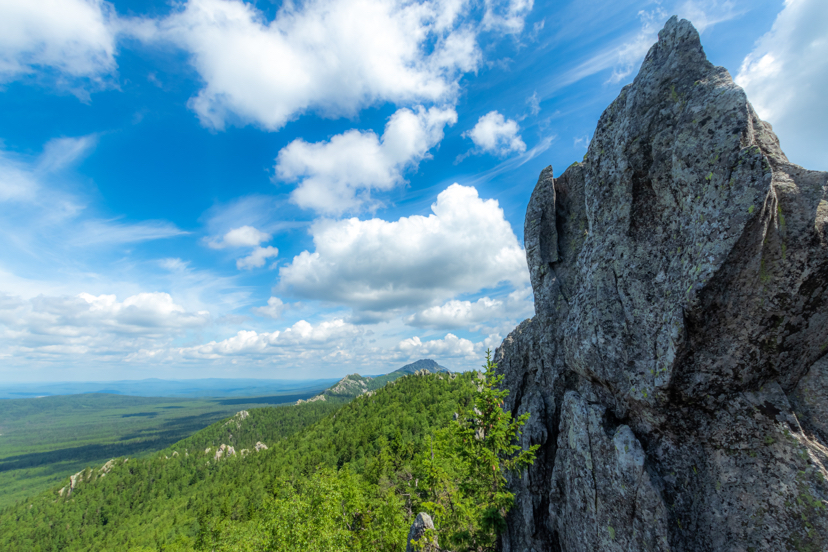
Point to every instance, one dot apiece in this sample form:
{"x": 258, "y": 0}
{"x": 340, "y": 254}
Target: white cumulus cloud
{"x": 785, "y": 77}
{"x": 456, "y": 313}
{"x": 274, "y": 309}
{"x": 246, "y": 236}
{"x": 475, "y": 314}
{"x": 376, "y": 265}
{"x": 339, "y": 175}
{"x": 495, "y": 134}
{"x": 331, "y": 56}
{"x": 449, "y": 346}
{"x": 257, "y": 258}
{"x": 144, "y": 310}
{"x": 74, "y": 38}
{"x": 96, "y": 324}
{"x": 301, "y": 337}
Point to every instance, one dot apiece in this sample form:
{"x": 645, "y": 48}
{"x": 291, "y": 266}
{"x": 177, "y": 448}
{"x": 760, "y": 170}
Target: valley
{"x": 43, "y": 440}
{"x": 269, "y": 475}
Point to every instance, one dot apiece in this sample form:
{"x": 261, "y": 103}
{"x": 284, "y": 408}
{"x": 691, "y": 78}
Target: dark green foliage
{"x": 354, "y": 385}
{"x": 265, "y": 425}
{"x": 335, "y": 477}
{"x": 424, "y": 364}
{"x": 44, "y": 440}
{"x": 328, "y": 511}
{"x": 467, "y": 484}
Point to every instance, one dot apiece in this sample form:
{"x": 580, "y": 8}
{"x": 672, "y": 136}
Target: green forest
{"x": 43, "y": 440}
{"x": 336, "y": 475}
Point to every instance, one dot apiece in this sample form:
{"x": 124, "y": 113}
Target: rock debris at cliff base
{"x": 677, "y": 365}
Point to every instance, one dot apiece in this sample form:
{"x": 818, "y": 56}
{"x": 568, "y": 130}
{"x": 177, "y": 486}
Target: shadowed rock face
{"x": 677, "y": 366}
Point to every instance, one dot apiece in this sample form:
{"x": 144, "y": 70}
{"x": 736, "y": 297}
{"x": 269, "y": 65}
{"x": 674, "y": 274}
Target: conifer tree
{"x": 467, "y": 480}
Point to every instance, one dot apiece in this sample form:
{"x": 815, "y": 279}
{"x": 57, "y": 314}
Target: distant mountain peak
{"x": 423, "y": 364}
{"x": 354, "y": 385}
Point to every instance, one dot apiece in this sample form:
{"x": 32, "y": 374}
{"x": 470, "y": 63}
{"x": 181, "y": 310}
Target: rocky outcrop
{"x": 354, "y": 385}
{"x": 312, "y": 399}
{"x": 224, "y": 451}
{"x": 350, "y": 385}
{"x": 107, "y": 467}
{"x": 74, "y": 481}
{"x": 677, "y": 366}
{"x": 422, "y": 523}
{"x": 238, "y": 418}
{"x": 258, "y": 447}
{"x": 86, "y": 475}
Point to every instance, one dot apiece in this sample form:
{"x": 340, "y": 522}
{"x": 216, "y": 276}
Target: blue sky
{"x": 212, "y": 188}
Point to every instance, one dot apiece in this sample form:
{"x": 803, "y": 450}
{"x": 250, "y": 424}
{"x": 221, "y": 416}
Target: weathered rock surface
{"x": 238, "y": 418}
{"x": 86, "y": 475}
{"x": 312, "y": 399}
{"x": 418, "y": 529}
{"x": 225, "y": 451}
{"x": 677, "y": 366}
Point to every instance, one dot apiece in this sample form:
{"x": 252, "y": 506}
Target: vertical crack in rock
{"x": 676, "y": 368}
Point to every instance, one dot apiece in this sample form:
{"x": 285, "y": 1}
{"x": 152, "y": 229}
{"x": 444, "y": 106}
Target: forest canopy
{"x": 334, "y": 476}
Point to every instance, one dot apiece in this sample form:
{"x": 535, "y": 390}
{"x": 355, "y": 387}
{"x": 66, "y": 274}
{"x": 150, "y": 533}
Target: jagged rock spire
{"x": 681, "y": 289}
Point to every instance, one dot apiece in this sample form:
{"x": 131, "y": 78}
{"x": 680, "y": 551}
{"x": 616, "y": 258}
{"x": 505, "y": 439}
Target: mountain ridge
{"x": 208, "y": 493}
{"x": 354, "y": 385}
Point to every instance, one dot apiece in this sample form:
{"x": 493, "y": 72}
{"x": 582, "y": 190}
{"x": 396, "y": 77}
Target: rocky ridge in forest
{"x": 354, "y": 385}
{"x": 86, "y": 475}
{"x": 677, "y": 366}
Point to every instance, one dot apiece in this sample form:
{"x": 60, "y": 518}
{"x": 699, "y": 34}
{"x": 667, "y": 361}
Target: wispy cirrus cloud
{"x": 22, "y": 178}
{"x": 40, "y": 202}
{"x": 506, "y": 16}
{"x": 102, "y": 232}
{"x": 622, "y": 57}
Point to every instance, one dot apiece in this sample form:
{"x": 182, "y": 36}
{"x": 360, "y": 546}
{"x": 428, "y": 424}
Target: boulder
{"x": 421, "y": 523}
{"x": 676, "y": 369}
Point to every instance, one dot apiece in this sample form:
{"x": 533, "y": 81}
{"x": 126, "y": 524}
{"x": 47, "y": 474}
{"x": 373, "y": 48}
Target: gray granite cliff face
{"x": 677, "y": 366}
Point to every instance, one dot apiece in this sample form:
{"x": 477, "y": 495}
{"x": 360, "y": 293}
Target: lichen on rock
{"x": 676, "y": 365}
